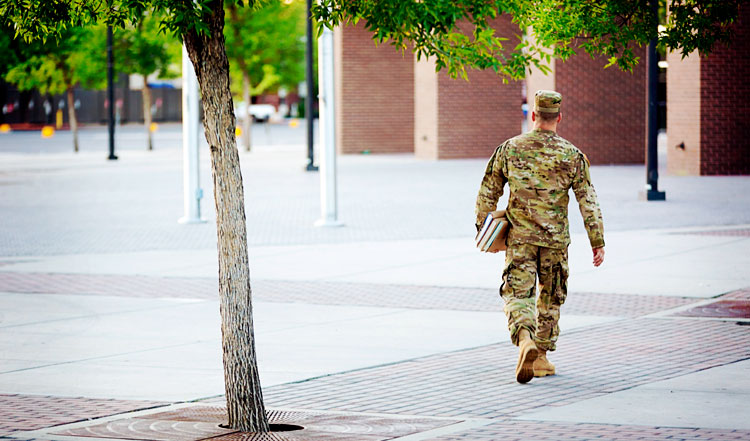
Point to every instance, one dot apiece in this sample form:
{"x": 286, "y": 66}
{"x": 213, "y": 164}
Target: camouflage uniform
{"x": 539, "y": 168}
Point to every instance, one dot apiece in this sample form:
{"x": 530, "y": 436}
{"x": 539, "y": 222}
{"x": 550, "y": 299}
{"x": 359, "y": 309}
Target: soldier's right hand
{"x": 598, "y": 256}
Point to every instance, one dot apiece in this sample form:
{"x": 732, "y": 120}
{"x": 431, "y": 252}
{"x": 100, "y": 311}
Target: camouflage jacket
{"x": 540, "y": 167}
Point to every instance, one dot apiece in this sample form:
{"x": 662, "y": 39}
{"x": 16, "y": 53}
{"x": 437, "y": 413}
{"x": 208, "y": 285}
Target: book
{"x": 485, "y": 225}
{"x": 494, "y": 232}
{"x": 488, "y": 234}
{"x": 497, "y": 241}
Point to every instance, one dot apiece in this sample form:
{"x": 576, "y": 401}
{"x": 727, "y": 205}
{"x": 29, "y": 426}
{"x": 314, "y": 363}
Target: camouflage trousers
{"x": 539, "y": 315}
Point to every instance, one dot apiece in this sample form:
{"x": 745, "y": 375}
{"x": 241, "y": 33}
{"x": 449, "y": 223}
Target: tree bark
{"x": 242, "y": 383}
{"x": 147, "y": 112}
{"x": 72, "y": 117}
{"x": 247, "y": 122}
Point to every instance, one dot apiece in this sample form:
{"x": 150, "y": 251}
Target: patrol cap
{"x": 547, "y": 101}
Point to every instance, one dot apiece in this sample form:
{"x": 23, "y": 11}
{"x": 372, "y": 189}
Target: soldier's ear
{"x": 559, "y": 117}
{"x": 533, "y": 116}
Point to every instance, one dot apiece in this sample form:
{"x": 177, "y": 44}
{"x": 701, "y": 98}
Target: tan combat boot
{"x": 542, "y": 366}
{"x": 527, "y": 353}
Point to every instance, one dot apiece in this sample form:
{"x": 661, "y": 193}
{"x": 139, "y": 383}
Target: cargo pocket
{"x": 506, "y": 277}
{"x": 559, "y": 281}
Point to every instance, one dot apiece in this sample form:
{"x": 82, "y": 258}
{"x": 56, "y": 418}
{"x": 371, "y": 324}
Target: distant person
{"x": 539, "y": 168}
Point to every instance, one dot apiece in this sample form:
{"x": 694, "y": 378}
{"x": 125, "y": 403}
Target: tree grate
{"x": 729, "y": 309}
{"x": 195, "y": 423}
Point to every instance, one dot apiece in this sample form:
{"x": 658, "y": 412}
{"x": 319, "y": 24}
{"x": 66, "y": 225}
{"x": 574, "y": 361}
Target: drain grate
{"x": 729, "y": 309}
{"x": 201, "y": 422}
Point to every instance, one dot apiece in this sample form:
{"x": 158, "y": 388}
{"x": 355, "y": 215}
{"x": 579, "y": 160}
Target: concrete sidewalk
{"x": 107, "y": 305}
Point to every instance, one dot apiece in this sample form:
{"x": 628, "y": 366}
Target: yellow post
{"x": 48, "y": 131}
{"x": 58, "y": 118}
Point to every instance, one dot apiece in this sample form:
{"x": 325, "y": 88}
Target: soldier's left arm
{"x": 492, "y": 185}
{"x": 588, "y": 203}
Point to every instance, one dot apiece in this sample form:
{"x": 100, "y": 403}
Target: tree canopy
{"x": 431, "y": 27}
{"x": 146, "y": 47}
{"x": 266, "y": 42}
{"x": 76, "y": 57}
{"x": 599, "y": 27}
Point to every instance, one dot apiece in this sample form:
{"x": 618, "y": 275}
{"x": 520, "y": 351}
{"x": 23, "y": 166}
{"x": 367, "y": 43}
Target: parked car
{"x": 259, "y": 112}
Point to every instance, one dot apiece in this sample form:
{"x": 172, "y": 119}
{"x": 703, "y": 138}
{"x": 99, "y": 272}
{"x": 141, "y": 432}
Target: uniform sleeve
{"x": 586, "y": 197}
{"x": 491, "y": 188}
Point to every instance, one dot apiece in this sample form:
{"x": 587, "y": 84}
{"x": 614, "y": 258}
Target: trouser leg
{"x": 519, "y": 288}
{"x": 553, "y": 288}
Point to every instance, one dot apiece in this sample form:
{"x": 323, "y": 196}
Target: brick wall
{"x": 469, "y": 119}
{"x": 475, "y": 117}
{"x": 725, "y": 104}
{"x": 374, "y": 94}
{"x": 683, "y": 114}
{"x": 603, "y": 109}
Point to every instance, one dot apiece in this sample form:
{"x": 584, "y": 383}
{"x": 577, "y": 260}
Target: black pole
{"x": 310, "y": 86}
{"x": 111, "y": 95}
{"x": 652, "y": 192}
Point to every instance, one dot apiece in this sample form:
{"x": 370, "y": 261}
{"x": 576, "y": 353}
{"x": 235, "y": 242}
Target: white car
{"x": 259, "y": 112}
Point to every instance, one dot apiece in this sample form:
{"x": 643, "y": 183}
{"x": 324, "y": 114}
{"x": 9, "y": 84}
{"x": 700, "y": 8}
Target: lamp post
{"x": 191, "y": 183}
{"x": 652, "y": 192}
{"x": 327, "y": 129}
{"x": 310, "y": 85}
{"x": 111, "y": 95}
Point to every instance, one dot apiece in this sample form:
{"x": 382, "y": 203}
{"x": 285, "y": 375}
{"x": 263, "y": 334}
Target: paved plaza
{"x": 388, "y": 328}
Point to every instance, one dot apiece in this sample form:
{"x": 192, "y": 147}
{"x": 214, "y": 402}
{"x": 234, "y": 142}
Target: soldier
{"x": 539, "y": 168}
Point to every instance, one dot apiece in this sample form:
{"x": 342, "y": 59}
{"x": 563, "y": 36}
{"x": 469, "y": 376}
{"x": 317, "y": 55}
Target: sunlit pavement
{"x": 108, "y": 305}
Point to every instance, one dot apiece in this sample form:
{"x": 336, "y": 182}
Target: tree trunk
{"x": 72, "y": 117}
{"x": 242, "y": 383}
{"x": 147, "y": 112}
{"x": 247, "y": 122}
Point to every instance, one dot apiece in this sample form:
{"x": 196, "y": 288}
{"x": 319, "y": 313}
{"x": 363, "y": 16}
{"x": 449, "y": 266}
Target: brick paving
{"x": 740, "y": 294}
{"x": 31, "y": 412}
{"x": 516, "y": 430}
{"x": 479, "y": 382}
{"x": 109, "y": 285}
{"x": 735, "y": 232}
{"x": 326, "y": 293}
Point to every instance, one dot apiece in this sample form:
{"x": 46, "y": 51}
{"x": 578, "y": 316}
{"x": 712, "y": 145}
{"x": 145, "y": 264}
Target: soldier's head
{"x": 547, "y": 106}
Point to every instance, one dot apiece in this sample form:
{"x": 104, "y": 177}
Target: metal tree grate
{"x": 729, "y": 309}
{"x": 202, "y": 422}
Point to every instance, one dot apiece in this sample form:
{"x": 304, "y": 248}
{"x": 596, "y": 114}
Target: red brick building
{"x": 374, "y": 94}
{"x": 387, "y": 102}
{"x": 604, "y": 110}
{"x": 707, "y": 108}
{"x": 455, "y": 118}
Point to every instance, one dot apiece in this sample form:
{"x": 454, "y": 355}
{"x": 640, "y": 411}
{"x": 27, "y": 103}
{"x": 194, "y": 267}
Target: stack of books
{"x": 491, "y": 237}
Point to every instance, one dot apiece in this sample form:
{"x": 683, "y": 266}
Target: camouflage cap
{"x": 547, "y": 101}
